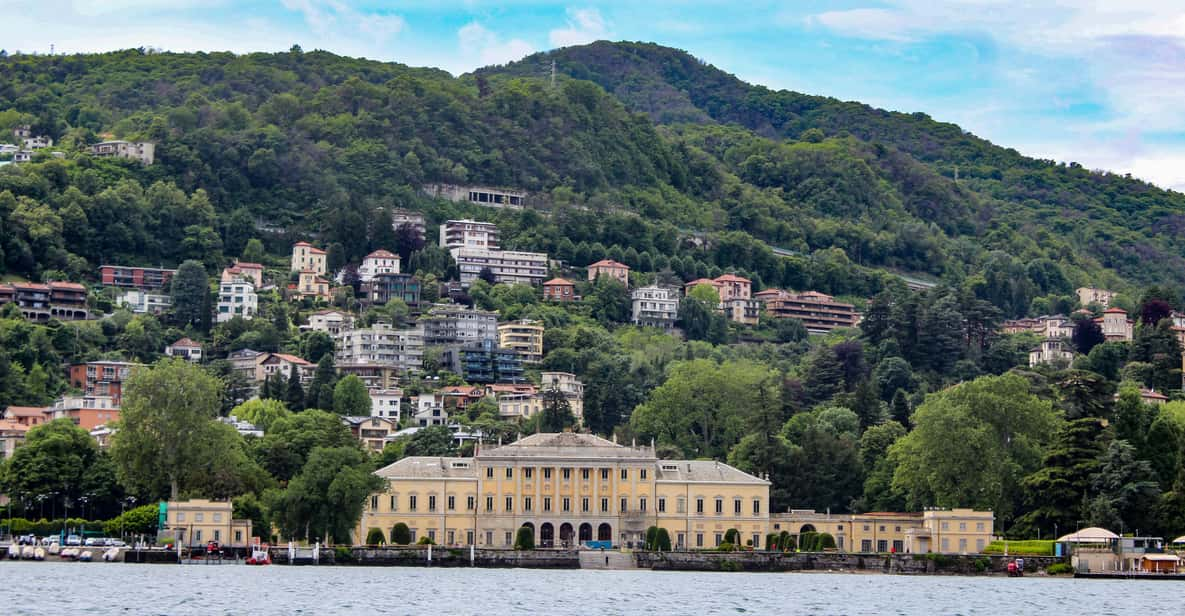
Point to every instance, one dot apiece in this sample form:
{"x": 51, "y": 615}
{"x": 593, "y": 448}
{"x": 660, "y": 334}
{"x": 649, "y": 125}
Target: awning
{"x": 1093, "y": 534}
{"x": 1163, "y": 557}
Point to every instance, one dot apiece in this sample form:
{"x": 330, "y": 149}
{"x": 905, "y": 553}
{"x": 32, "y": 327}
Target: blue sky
{"x": 1103, "y": 86}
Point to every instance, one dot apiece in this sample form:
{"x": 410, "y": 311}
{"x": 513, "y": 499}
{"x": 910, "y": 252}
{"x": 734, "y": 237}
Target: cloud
{"x": 881, "y": 24}
{"x": 334, "y": 17}
{"x": 584, "y": 26}
{"x": 482, "y": 47}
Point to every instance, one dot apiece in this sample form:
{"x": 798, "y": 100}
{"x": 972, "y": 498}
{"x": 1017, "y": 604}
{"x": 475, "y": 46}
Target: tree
{"x": 1158, "y": 345}
{"x": 1085, "y": 394}
{"x": 294, "y": 393}
{"x": 59, "y": 459}
{"x": 972, "y": 444}
{"x": 1153, "y": 311}
{"x": 524, "y": 539}
{"x": 189, "y": 292}
{"x": 326, "y": 499}
{"x": 899, "y": 408}
{"x": 825, "y": 458}
{"x": 698, "y": 317}
{"x": 284, "y": 449}
{"x": 350, "y": 398}
{"x": 1125, "y": 489}
{"x": 823, "y": 377}
{"x": 430, "y": 441}
{"x": 890, "y": 375}
{"x": 609, "y": 393}
{"x": 320, "y": 393}
{"x": 557, "y": 412}
{"x": 610, "y": 301}
{"x": 375, "y": 536}
{"x": 262, "y": 413}
{"x": 167, "y": 411}
{"x": 1087, "y": 335}
{"x": 488, "y": 276}
{"x": 400, "y": 534}
{"x": 1059, "y": 490}
{"x": 316, "y": 346}
{"x": 253, "y": 251}
{"x": 662, "y": 540}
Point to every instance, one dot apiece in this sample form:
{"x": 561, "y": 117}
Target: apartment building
{"x": 64, "y": 301}
{"x": 469, "y": 233}
{"x": 481, "y": 195}
{"x": 611, "y": 269}
{"x": 560, "y": 290}
{"x": 819, "y": 312}
{"x": 236, "y": 298}
{"x": 507, "y": 266}
{"x": 87, "y": 412}
{"x": 1116, "y": 326}
{"x": 130, "y": 277}
{"x": 484, "y": 362}
{"x": 142, "y": 151}
{"x": 655, "y": 306}
{"x": 381, "y": 345}
{"x": 516, "y": 401}
{"x": 567, "y": 384}
{"x": 306, "y": 258}
{"x": 331, "y": 322}
{"x": 1091, "y": 295}
{"x": 102, "y": 378}
{"x": 524, "y": 336}
{"x": 378, "y": 262}
{"x": 407, "y": 218}
{"x": 384, "y": 287}
{"x": 567, "y": 489}
{"x": 385, "y": 403}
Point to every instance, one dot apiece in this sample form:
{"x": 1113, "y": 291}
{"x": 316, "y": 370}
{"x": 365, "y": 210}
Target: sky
{"x": 1099, "y": 82}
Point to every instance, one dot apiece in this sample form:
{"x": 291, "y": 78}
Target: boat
{"x": 54, "y": 548}
{"x": 259, "y": 555}
{"x": 14, "y": 552}
{"x": 69, "y": 554}
{"x": 27, "y": 552}
{"x": 111, "y": 555}
{"x": 86, "y": 556}
{"x": 39, "y": 554}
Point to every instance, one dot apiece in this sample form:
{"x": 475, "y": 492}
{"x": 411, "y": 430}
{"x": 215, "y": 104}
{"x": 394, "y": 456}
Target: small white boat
{"x": 14, "y": 552}
{"x": 85, "y": 556}
{"x": 27, "y": 552}
{"x": 69, "y": 554}
{"x": 54, "y": 549}
{"x": 39, "y": 554}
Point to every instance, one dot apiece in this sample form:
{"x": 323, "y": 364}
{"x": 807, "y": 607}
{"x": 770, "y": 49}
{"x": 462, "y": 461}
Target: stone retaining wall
{"x": 884, "y": 563}
{"x": 443, "y": 557}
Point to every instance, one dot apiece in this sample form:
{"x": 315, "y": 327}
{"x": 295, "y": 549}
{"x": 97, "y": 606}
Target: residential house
{"x": 236, "y": 298}
{"x": 243, "y": 269}
{"x": 144, "y": 302}
{"x": 87, "y": 412}
{"x": 484, "y": 362}
{"x": 819, "y": 313}
{"x": 567, "y": 384}
{"x": 22, "y": 156}
{"x": 378, "y": 262}
{"x": 385, "y": 403}
{"x": 524, "y": 336}
{"x": 37, "y": 143}
{"x": 406, "y": 218}
{"x": 283, "y": 364}
{"x": 735, "y": 298}
{"x": 460, "y": 397}
{"x": 655, "y": 306}
{"x": 1052, "y": 351}
{"x": 331, "y": 322}
{"x": 102, "y": 378}
{"x": 244, "y": 428}
{"x": 246, "y": 364}
{"x": 521, "y": 401}
{"x": 197, "y": 522}
{"x": 310, "y": 285}
{"x": 468, "y": 233}
{"x": 381, "y": 345}
{"x": 481, "y": 195}
{"x": 507, "y": 266}
{"x": 27, "y": 416}
{"x": 593, "y": 490}
{"x": 429, "y": 411}
{"x": 130, "y": 277}
{"x": 186, "y": 349}
{"x": 1116, "y": 326}
{"x": 935, "y": 530}
{"x": 64, "y": 301}
{"x": 559, "y": 290}
{"x": 142, "y": 151}
{"x": 611, "y": 269}
{"x": 373, "y": 432}
{"x": 1090, "y": 295}
{"x": 455, "y": 324}
{"x": 12, "y": 435}
{"x": 306, "y": 258}
{"x": 1151, "y": 396}
{"x": 383, "y": 288}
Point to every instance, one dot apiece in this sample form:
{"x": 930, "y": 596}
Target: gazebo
{"x": 1093, "y": 534}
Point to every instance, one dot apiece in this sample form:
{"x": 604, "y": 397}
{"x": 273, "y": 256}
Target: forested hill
{"x": 323, "y": 146}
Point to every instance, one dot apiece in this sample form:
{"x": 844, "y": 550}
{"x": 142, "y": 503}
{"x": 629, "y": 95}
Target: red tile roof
{"x": 67, "y": 285}
{"x": 187, "y": 343}
{"x": 292, "y": 359}
{"x": 608, "y": 263}
{"x": 25, "y": 411}
{"x": 1115, "y": 311}
{"x": 246, "y": 265}
{"x": 732, "y": 278}
{"x": 699, "y": 281}
{"x": 382, "y": 254}
{"x": 558, "y": 281}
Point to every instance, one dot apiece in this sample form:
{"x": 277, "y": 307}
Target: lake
{"x": 116, "y": 588}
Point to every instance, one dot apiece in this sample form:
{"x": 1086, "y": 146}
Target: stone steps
{"x": 609, "y": 559}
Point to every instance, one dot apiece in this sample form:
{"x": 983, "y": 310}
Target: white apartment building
{"x": 429, "y": 410}
{"x": 237, "y": 299}
{"x": 142, "y": 151}
{"x": 655, "y": 306}
{"x": 508, "y": 266}
{"x": 567, "y": 384}
{"x": 143, "y": 302}
{"x": 385, "y": 403}
{"x": 454, "y": 324}
{"x": 331, "y": 322}
{"x": 378, "y": 262}
{"x": 468, "y": 233}
{"x": 381, "y": 345}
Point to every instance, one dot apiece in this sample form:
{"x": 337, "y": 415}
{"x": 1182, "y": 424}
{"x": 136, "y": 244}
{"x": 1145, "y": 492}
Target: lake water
{"x": 116, "y": 588}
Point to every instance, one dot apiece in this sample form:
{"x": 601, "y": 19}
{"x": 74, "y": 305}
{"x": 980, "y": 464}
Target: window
{"x": 239, "y": 537}
{"x": 411, "y": 502}
{"x": 604, "y": 474}
{"x": 489, "y": 537}
{"x": 432, "y": 535}
{"x": 547, "y": 473}
{"x": 945, "y": 544}
{"x": 218, "y": 516}
{"x": 882, "y": 545}
{"x": 680, "y": 505}
{"x": 198, "y": 536}
{"x": 394, "y": 502}
{"x": 526, "y": 503}
{"x": 625, "y": 505}
{"x": 509, "y": 538}
{"x": 946, "y": 526}
{"x": 719, "y": 506}
{"x": 979, "y": 526}
{"x": 866, "y": 545}
{"x": 452, "y": 503}
{"x": 625, "y": 474}
{"x": 509, "y": 472}
{"x": 757, "y": 507}
{"x": 604, "y": 505}
{"x": 699, "y": 505}
{"x": 217, "y": 535}
{"x": 431, "y": 502}
{"x": 547, "y": 503}
{"x": 699, "y": 540}
{"x": 469, "y": 537}
{"x": 642, "y": 504}
{"x": 489, "y": 472}
{"x": 489, "y": 503}
{"x": 719, "y": 539}
{"x": 374, "y": 502}
{"x": 470, "y": 503}
{"x": 662, "y": 505}
{"x": 979, "y": 546}
{"x": 527, "y": 472}
{"x": 867, "y": 528}
{"x": 510, "y": 503}
{"x": 199, "y": 517}
{"x": 567, "y": 504}
{"x": 882, "y": 528}
{"x": 642, "y": 474}
{"x": 898, "y": 546}
{"x": 736, "y": 506}
{"x": 584, "y": 474}
{"x": 962, "y": 545}
{"x": 896, "y": 529}
{"x": 584, "y": 504}
{"x": 679, "y": 539}
{"x": 451, "y": 536}
{"x": 963, "y": 526}
{"x": 567, "y": 474}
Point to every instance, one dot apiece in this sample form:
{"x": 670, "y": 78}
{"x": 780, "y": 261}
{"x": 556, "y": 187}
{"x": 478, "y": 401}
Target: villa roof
{"x": 186, "y": 343}
{"x": 1093, "y": 534}
{"x": 558, "y": 281}
{"x": 291, "y": 359}
{"x": 732, "y": 278}
{"x": 248, "y": 265}
{"x": 1115, "y": 311}
{"x": 699, "y": 281}
{"x": 708, "y": 471}
{"x": 608, "y": 263}
{"x": 25, "y": 411}
{"x": 566, "y": 445}
{"x": 382, "y": 254}
{"x": 429, "y": 467}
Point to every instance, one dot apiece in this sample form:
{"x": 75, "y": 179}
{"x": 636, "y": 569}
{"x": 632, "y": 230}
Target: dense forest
{"x": 644, "y": 155}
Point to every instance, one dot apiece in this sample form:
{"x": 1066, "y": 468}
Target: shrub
{"x": 771, "y": 542}
{"x": 1030, "y": 547}
{"x": 725, "y": 547}
{"x": 732, "y": 536}
{"x": 982, "y": 564}
{"x": 400, "y": 534}
{"x": 730, "y": 565}
{"x": 786, "y": 542}
{"x": 425, "y": 540}
{"x": 1059, "y": 569}
{"x": 807, "y": 541}
{"x": 663, "y": 540}
{"x": 167, "y": 541}
{"x": 375, "y": 536}
{"x": 651, "y": 538}
{"x": 342, "y": 554}
{"x": 824, "y": 541}
{"x": 524, "y": 539}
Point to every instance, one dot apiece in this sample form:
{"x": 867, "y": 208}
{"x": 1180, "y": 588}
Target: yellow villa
{"x": 947, "y": 531}
{"x": 568, "y": 489}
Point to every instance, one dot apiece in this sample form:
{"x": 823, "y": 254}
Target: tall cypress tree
{"x": 295, "y": 395}
{"x": 320, "y": 393}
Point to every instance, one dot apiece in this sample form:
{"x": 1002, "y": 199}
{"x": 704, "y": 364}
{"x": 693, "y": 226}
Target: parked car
{"x": 115, "y": 543}
{"x": 74, "y": 540}
{"x": 51, "y": 539}
{"x": 27, "y": 540}
{"x": 96, "y": 541}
